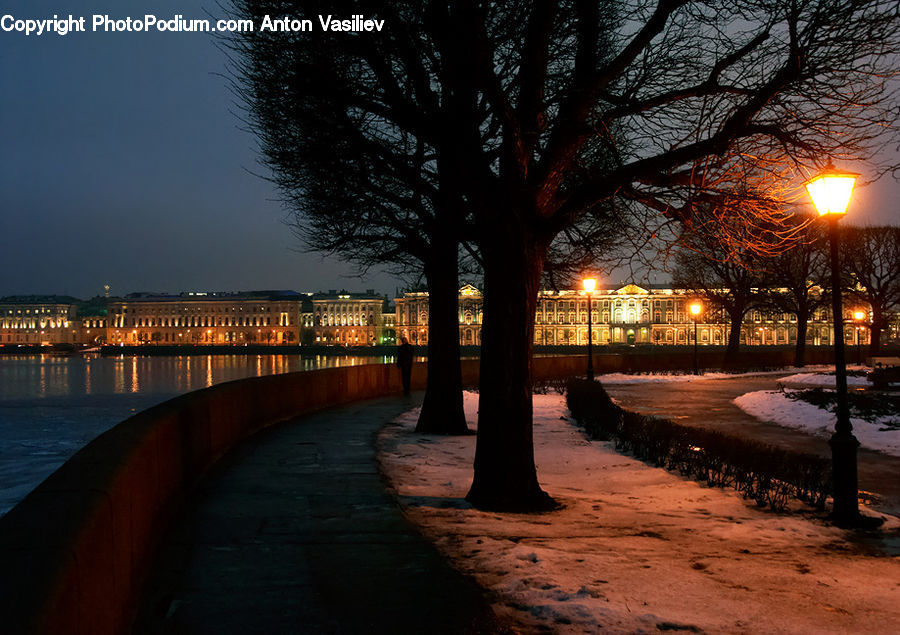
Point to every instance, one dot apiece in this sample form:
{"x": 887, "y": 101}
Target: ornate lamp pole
{"x": 589, "y": 285}
{"x": 830, "y": 193}
{"x": 696, "y": 308}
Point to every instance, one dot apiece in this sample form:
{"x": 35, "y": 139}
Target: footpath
{"x": 295, "y": 533}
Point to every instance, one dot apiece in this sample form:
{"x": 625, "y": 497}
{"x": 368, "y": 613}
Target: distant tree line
{"x": 796, "y": 280}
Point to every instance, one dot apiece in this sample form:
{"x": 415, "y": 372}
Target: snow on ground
{"x": 822, "y": 379}
{"x": 776, "y": 407}
{"x": 628, "y": 378}
{"x": 636, "y": 548}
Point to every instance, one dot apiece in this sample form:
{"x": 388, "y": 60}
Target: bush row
{"x": 764, "y": 473}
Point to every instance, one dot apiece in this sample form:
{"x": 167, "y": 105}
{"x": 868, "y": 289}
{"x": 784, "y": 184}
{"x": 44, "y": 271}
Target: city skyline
{"x": 125, "y": 164}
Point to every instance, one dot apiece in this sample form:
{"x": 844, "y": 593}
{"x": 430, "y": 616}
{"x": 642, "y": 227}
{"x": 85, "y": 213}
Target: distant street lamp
{"x": 859, "y": 315}
{"x": 696, "y": 308}
{"x": 830, "y": 193}
{"x": 589, "y": 285}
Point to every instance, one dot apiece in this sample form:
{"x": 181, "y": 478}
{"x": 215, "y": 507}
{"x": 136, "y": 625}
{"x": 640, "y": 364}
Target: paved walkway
{"x": 295, "y": 533}
{"x": 708, "y": 404}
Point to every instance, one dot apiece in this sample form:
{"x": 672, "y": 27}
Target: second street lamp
{"x": 830, "y": 193}
{"x": 859, "y": 315}
{"x": 589, "y": 285}
{"x": 696, "y": 309}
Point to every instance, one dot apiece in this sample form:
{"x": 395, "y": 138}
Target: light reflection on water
{"x": 42, "y": 376}
{"x": 51, "y": 406}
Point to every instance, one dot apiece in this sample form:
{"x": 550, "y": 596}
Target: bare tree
{"x": 871, "y": 258}
{"x": 539, "y": 112}
{"x": 359, "y": 181}
{"x": 729, "y": 281}
{"x": 796, "y": 281}
{"x": 708, "y": 96}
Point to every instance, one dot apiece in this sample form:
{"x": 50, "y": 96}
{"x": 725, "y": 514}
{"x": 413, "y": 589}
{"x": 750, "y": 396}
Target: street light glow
{"x": 830, "y": 191}
{"x": 589, "y": 284}
{"x": 696, "y": 308}
{"x": 859, "y": 316}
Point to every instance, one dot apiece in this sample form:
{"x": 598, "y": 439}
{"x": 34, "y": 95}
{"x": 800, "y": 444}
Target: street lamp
{"x": 696, "y": 308}
{"x": 589, "y": 285}
{"x": 859, "y": 315}
{"x": 830, "y": 193}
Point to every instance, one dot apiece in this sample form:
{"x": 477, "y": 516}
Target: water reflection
{"x": 39, "y": 376}
{"x": 50, "y": 405}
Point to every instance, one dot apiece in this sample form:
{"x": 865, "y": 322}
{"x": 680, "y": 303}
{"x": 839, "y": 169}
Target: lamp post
{"x": 859, "y": 315}
{"x": 696, "y": 309}
{"x": 589, "y": 285}
{"x": 830, "y": 193}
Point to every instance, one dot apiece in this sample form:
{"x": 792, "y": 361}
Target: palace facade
{"x": 255, "y": 317}
{"x": 38, "y": 320}
{"x": 348, "y": 319}
{"x": 629, "y": 314}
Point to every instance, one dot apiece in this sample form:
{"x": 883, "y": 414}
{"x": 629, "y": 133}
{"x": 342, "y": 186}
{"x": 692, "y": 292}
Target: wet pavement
{"x": 296, "y": 533}
{"x": 708, "y": 404}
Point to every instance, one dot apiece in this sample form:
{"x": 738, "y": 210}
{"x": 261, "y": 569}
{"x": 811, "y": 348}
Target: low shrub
{"x": 761, "y": 472}
{"x": 869, "y": 406}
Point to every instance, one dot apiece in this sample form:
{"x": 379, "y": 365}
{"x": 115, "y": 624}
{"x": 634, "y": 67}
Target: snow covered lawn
{"x": 776, "y": 407}
{"x": 635, "y": 548}
{"x": 823, "y": 380}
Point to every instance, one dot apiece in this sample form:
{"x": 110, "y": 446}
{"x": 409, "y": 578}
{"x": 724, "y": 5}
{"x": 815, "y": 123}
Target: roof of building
{"x": 213, "y": 296}
{"x": 39, "y": 299}
{"x": 343, "y": 294}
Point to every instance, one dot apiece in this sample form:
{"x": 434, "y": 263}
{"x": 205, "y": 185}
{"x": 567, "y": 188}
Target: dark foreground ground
{"x": 295, "y": 533}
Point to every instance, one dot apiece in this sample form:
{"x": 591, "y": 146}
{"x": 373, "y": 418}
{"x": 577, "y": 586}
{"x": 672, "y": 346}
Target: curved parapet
{"x": 74, "y": 554}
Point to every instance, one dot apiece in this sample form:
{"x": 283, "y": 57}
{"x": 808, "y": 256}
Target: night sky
{"x": 121, "y": 162}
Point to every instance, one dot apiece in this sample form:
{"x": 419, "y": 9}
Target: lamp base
{"x": 843, "y": 468}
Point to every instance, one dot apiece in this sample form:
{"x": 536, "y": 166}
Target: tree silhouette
{"x": 796, "y": 281}
{"x": 360, "y": 181}
{"x": 538, "y": 113}
{"x": 728, "y": 281}
{"x": 871, "y": 258}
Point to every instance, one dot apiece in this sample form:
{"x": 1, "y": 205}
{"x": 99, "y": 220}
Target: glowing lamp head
{"x": 696, "y": 308}
{"x": 859, "y": 316}
{"x": 589, "y": 284}
{"x": 830, "y": 191}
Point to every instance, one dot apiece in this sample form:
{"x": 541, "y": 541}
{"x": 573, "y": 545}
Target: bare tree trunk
{"x": 800, "y": 346}
{"x": 875, "y": 332}
{"x": 442, "y": 410}
{"x": 734, "y": 339}
{"x": 505, "y": 475}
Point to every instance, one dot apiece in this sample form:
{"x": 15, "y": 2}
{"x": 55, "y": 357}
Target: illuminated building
{"x": 629, "y": 314}
{"x": 625, "y": 315}
{"x": 253, "y": 317}
{"x": 38, "y": 320}
{"x": 412, "y": 316}
{"x": 348, "y": 319}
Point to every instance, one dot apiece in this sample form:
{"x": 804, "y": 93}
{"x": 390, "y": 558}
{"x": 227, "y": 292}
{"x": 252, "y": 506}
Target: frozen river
{"x": 50, "y": 406}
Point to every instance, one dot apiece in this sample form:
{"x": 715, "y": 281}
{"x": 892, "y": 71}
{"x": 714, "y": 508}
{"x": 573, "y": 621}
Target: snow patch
{"x": 776, "y": 407}
{"x": 636, "y": 548}
{"x": 629, "y": 378}
{"x": 822, "y": 380}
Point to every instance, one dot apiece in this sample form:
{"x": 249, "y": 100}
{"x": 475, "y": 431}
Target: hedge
{"x": 761, "y": 472}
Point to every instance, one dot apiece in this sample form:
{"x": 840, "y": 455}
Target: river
{"x": 51, "y": 405}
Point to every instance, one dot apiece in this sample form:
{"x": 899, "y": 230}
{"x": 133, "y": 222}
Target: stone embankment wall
{"x": 75, "y": 552}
